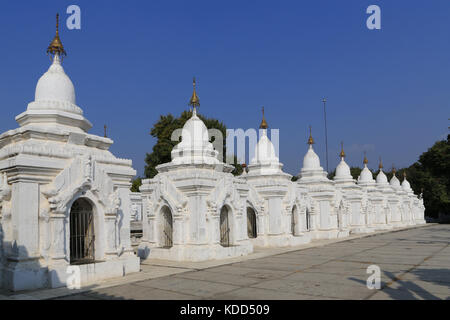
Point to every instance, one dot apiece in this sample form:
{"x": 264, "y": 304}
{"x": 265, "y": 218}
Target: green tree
{"x": 431, "y": 176}
{"x": 355, "y": 172}
{"x": 136, "y": 183}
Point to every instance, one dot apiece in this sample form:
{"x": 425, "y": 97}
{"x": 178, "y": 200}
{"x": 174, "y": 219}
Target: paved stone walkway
{"x": 414, "y": 263}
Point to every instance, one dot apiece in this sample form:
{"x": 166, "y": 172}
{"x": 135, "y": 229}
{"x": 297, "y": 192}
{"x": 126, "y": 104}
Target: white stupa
{"x": 406, "y": 185}
{"x": 265, "y": 160}
{"x": 267, "y": 179}
{"x": 311, "y": 169}
{"x": 195, "y": 147}
{"x": 381, "y": 177}
{"x": 190, "y": 199}
{"x": 54, "y": 104}
{"x": 58, "y": 175}
{"x": 365, "y": 177}
{"x": 343, "y": 170}
{"x": 395, "y": 183}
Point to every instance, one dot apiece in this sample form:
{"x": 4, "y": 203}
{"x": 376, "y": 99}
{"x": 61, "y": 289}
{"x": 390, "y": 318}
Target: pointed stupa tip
{"x": 342, "y": 154}
{"x": 263, "y": 124}
{"x": 404, "y": 174}
{"x": 393, "y": 170}
{"x": 56, "y": 46}
{"x": 380, "y": 166}
{"x": 310, "y": 139}
{"x": 365, "y": 161}
{"x": 195, "y": 101}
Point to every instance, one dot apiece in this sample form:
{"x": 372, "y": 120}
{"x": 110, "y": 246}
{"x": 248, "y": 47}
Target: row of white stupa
{"x": 65, "y": 198}
{"x": 195, "y": 209}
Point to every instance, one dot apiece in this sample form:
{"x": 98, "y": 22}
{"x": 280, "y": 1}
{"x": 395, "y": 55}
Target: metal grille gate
{"x": 167, "y": 230}
{"x": 82, "y": 237}
{"x": 308, "y": 220}
{"x": 224, "y": 228}
{"x": 339, "y": 215}
{"x": 251, "y": 223}
{"x": 293, "y": 219}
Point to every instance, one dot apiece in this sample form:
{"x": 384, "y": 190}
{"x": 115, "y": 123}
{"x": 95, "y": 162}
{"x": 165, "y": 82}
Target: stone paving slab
{"x": 197, "y": 288}
{"x": 262, "y": 294}
{"x": 205, "y": 275}
{"x": 250, "y": 272}
{"x": 316, "y": 288}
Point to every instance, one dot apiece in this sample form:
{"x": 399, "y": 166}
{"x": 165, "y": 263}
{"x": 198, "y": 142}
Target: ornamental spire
{"x": 263, "y": 124}
{"x": 195, "y": 101}
{"x": 310, "y": 139}
{"x": 393, "y": 170}
{"x": 380, "y": 166}
{"x": 365, "y": 161}
{"x": 342, "y": 154}
{"x": 56, "y": 47}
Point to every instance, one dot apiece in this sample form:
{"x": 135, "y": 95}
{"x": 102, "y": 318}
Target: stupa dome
{"x": 55, "y": 85}
{"x": 365, "y": 176}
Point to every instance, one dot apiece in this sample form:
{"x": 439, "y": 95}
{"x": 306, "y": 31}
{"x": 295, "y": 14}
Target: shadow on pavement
{"x": 408, "y": 289}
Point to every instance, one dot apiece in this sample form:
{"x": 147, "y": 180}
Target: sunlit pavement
{"x": 414, "y": 264}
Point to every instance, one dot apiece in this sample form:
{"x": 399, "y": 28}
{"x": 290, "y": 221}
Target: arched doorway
{"x": 252, "y": 230}
{"x": 293, "y": 220}
{"x": 82, "y": 236}
{"x": 224, "y": 227}
{"x": 166, "y": 228}
{"x": 308, "y": 220}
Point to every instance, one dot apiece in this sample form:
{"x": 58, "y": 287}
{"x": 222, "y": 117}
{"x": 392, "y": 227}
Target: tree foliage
{"x": 136, "y": 184}
{"x": 431, "y": 175}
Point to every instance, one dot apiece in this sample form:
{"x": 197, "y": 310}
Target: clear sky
{"x": 387, "y": 90}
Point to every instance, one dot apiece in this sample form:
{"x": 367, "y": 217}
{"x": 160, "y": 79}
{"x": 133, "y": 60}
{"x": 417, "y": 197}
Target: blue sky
{"x": 387, "y": 89}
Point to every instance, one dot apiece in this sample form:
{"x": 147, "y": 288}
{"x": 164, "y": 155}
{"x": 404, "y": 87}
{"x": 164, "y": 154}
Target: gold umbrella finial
{"x": 393, "y": 170}
{"x": 263, "y": 124}
{"x": 195, "y": 101}
{"x": 342, "y": 154}
{"x": 56, "y": 47}
{"x": 310, "y": 139}
{"x": 365, "y": 161}
{"x": 380, "y": 166}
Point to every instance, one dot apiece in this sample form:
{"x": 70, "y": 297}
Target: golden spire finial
{"x": 342, "y": 154}
{"x": 263, "y": 124}
{"x": 310, "y": 139}
{"x": 404, "y": 174}
{"x": 393, "y": 170}
{"x": 365, "y": 161}
{"x": 56, "y": 47}
{"x": 195, "y": 101}
{"x": 380, "y": 166}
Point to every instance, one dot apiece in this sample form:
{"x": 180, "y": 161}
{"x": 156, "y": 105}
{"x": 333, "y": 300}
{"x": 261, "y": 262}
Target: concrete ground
{"x": 414, "y": 264}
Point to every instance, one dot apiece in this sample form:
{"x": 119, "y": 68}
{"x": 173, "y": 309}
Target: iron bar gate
{"x": 82, "y": 237}
{"x": 308, "y": 220}
{"x": 224, "y": 228}
{"x": 251, "y": 223}
{"x": 167, "y": 230}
